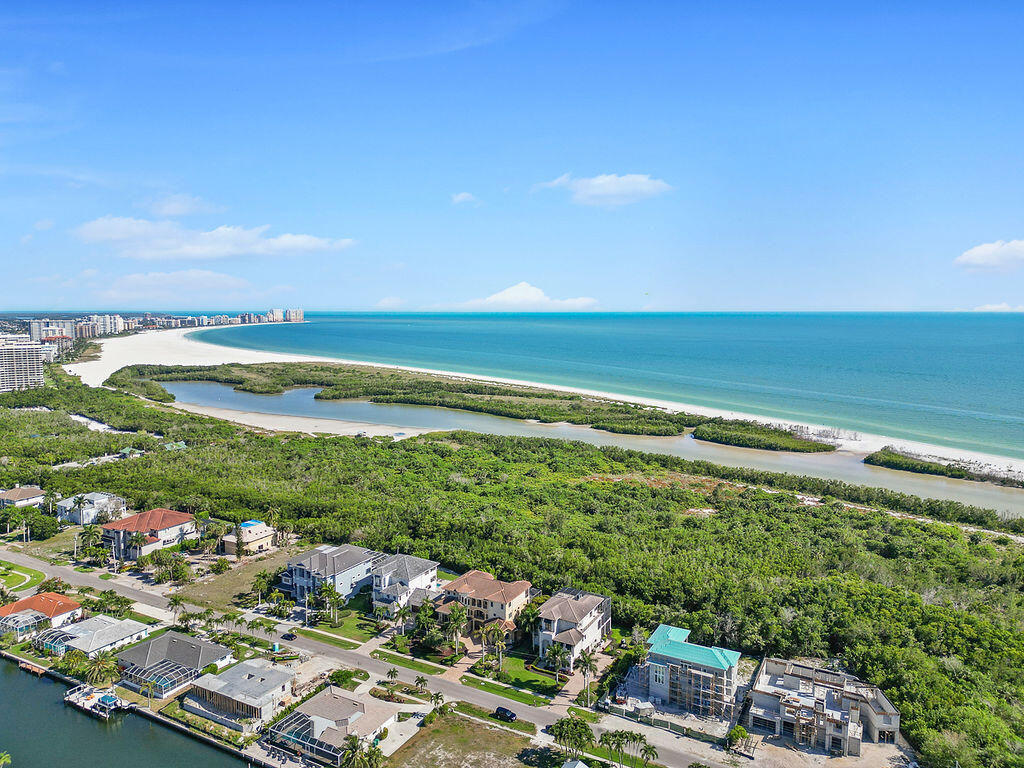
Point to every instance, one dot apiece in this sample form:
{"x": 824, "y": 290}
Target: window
{"x": 658, "y": 674}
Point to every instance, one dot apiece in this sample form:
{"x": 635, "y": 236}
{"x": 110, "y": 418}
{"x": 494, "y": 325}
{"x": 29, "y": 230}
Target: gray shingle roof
{"x": 327, "y": 560}
{"x": 187, "y": 651}
{"x": 101, "y": 631}
{"x": 404, "y": 568}
{"x": 568, "y": 606}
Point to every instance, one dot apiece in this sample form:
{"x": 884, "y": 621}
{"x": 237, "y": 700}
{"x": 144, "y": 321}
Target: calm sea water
{"x": 950, "y": 379}
{"x": 40, "y": 731}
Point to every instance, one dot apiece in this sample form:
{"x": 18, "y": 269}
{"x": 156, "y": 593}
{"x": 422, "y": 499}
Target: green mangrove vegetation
{"x": 930, "y": 612}
{"x": 380, "y": 385}
{"x": 893, "y": 459}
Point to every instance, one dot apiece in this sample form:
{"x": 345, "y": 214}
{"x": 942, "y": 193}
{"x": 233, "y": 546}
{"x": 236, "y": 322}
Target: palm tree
{"x": 5, "y": 758}
{"x": 437, "y": 699}
{"x": 101, "y": 668}
{"x": 176, "y": 603}
{"x": 328, "y": 592}
{"x": 392, "y": 674}
{"x": 648, "y": 753}
{"x": 379, "y": 612}
{"x": 147, "y": 688}
{"x": 374, "y": 757}
{"x": 137, "y": 541}
{"x": 529, "y": 619}
{"x": 421, "y": 682}
{"x": 402, "y": 617}
{"x": 456, "y": 623}
{"x": 557, "y": 655}
{"x": 496, "y": 636}
{"x": 587, "y": 664}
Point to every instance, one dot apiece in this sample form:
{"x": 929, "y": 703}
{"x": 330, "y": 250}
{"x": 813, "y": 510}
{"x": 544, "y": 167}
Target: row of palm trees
{"x": 575, "y": 737}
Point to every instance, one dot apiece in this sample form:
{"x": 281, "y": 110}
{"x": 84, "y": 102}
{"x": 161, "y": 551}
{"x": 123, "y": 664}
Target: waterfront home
{"x": 170, "y": 662}
{"x": 242, "y": 697}
{"x": 22, "y": 496}
{"x": 576, "y": 619}
{"x": 683, "y": 675}
{"x": 47, "y": 609}
{"x": 146, "y": 532}
{"x": 346, "y": 567}
{"x": 92, "y": 636}
{"x": 397, "y": 577}
{"x": 318, "y": 727}
{"x": 256, "y": 536}
{"x": 85, "y": 508}
{"x": 486, "y": 598}
{"x": 821, "y": 708}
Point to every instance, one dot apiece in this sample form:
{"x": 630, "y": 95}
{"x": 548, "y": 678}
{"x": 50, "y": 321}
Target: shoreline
{"x": 174, "y": 346}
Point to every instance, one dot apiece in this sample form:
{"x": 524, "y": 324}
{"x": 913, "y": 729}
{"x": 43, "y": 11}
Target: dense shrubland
{"x": 931, "y": 613}
{"x": 893, "y": 459}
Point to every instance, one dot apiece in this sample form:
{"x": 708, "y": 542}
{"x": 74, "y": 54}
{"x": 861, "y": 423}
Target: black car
{"x": 505, "y": 714}
{"x": 288, "y": 636}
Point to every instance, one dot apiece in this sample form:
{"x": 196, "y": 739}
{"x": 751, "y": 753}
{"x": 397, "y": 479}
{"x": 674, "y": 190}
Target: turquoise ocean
{"x": 953, "y": 379}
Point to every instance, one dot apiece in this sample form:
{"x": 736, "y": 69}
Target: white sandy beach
{"x": 175, "y": 347}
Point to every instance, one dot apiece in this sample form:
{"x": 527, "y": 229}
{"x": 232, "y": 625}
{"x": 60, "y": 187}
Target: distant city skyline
{"x": 512, "y": 156}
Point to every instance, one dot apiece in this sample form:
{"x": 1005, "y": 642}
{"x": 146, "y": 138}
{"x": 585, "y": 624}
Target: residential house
{"x": 256, "y": 537}
{"x": 22, "y": 496}
{"x": 242, "y": 697}
{"x": 576, "y": 619}
{"x": 160, "y": 528}
{"x": 684, "y": 675}
{"x": 92, "y": 636}
{"x": 170, "y": 662}
{"x": 486, "y": 598}
{"x": 83, "y": 509}
{"x": 347, "y": 567}
{"x": 397, "y": 578}
{"x": 821, "y": 708}
{"x": 50, "y": 609}
{"x": 318, "y": 727}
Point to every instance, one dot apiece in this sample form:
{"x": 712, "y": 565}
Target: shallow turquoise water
{"x": 952, "y": 378}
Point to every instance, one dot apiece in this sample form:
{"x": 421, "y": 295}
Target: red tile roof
{"x": 154, "y": 520}
{"x": 483, "y": 586}
{"x": 49, "y": 603}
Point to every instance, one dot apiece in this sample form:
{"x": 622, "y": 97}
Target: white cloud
{"x": 390, "y": 302}
{"x": 143, "y": 239}
{"x": 1003, "y": 307}
{"x": 1002, "y": 254}
{"x": 609, "y": 189}
{"x": 184, "y": 287}
{"x": 43, "y": 224}
{"x": 182, "y": 205}
{"x": 460, "y": 198}
{"x": 523, "y": 297}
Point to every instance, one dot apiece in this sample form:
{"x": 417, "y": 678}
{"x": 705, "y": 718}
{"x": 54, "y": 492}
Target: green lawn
{"x": 446, "y": 575}
{"x": 503, "y": 690}
{"x": 17, "y": 577}
{"x": 340, "y": 642}
{"x": 521, "y": 677}
{"x": 524, "y": 726}
{"x": 355, "y": 626}
{"x": 143, "y": 618}
{"x": 585, "y": 714}
{"x": 402, "y": 661}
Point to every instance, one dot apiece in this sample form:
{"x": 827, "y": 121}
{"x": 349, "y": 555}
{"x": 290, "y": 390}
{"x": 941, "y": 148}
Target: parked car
{"x": 505, "y": 714}
{"x": 289, "y": 636}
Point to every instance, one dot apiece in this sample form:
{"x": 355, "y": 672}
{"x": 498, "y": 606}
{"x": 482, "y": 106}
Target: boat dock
{"x": 95, "y": 701}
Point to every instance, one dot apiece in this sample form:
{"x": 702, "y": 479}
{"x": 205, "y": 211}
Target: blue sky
{"x": 544, "y": 154}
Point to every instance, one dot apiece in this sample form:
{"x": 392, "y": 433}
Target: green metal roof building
{"x": 684, "y": 675}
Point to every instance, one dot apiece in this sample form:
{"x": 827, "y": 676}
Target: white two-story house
{"x": 83, "y": 509}
{"x": 347, "y": 567}
{"x": 578, "y": 620}
{"x": 397, "y": 577}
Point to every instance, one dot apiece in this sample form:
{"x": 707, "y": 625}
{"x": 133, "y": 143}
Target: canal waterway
{"x": 40, "y": 731}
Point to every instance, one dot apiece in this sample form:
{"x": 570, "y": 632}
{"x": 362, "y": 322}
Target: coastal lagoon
{"x": 842, "y": 465}
{"x": 41, "y": 731}
{"x": 952, "y": 379}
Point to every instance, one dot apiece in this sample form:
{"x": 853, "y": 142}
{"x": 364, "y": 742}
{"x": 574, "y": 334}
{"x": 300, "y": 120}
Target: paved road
{"x": 674, "y": 751}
